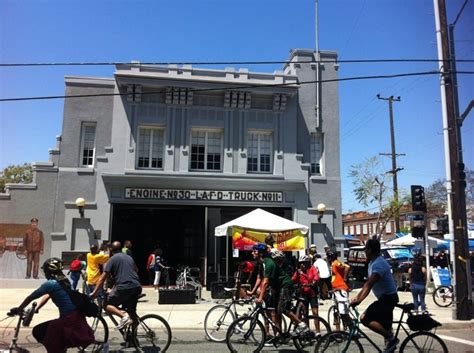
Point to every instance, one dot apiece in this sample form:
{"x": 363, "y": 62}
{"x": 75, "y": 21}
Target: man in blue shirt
{"x": 379, "y": 315}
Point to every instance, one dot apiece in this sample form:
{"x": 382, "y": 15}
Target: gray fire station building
{"x": 164, "y": 154}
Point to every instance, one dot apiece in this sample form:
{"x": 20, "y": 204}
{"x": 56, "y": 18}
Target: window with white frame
{"x": 259, "y": 152}
{"x": 87, "y": 145}
{"x": 150, "y": 147}
{"x": 316, "y": 153}
{"x": 206, "y": 150}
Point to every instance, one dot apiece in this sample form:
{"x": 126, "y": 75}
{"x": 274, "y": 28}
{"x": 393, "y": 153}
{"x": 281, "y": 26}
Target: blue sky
{"x": 242, "y": 30}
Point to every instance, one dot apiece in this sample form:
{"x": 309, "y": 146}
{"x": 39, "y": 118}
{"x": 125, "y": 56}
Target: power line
{"x": 164, "y": 63}
{"x": 355, "y": 78}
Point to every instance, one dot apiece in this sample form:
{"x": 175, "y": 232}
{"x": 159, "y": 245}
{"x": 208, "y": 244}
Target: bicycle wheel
{"x": 443, "y": 296}
{"x": 304, "y": 342}
{"x": 101, "y": 333}
{"x": 423, "y": 342}
{"x": 217, "y": 321}
{"x": 333, "y": 317}
{"x": 20, "y": 251}
{"x": 336, "y": 342}
{"x": 246, "y": 334}
{"x": 152, "y": 334}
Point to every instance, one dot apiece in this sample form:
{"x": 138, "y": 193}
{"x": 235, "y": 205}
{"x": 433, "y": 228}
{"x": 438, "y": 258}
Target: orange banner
{"x": 245, "y": 239}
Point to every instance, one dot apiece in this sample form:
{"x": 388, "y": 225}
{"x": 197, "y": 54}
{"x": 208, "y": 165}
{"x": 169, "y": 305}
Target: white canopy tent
{"x": 409, "y": 240}
{"x": 259, "y": 219}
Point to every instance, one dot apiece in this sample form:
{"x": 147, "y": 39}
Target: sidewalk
{"x": 191, "y": 316}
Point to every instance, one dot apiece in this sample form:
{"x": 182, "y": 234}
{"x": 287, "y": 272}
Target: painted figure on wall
{"x": 33, "y": 241}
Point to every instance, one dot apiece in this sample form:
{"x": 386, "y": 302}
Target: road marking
{"x": 458, "y": 340}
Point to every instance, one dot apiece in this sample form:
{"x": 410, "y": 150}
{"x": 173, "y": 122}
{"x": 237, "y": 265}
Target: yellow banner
{"x": 245, "y": 239}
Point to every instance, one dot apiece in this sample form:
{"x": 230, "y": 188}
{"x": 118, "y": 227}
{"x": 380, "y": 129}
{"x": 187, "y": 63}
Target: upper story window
{"x": 150, "y": 147}
{"x": 316, "y": 153}
{"x": 87, "y": 145}
{"x": 206, "y": 150}
{"x": 259, "y": 152}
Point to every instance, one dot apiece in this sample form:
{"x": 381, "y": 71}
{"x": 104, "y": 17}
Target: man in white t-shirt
{"x": 324, "y": 275}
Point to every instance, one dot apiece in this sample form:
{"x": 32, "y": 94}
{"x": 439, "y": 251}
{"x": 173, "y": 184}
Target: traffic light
{"x": 418, "y": 232}
{"x": 418, "y": 202}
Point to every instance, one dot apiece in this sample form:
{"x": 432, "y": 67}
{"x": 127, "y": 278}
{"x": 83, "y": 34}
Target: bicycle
{"x": 148, "y": 333}
{"x": 334, "y": 317}
{"x": 248, "y": 334}
{"x": 220, "y": 316}
{"x": 420, "y": 341}
{"x": 25, "y": 317}
{"x": 20, "y": 251}
{"x": 443, "y": 296}
{"x": 185, "y": 280}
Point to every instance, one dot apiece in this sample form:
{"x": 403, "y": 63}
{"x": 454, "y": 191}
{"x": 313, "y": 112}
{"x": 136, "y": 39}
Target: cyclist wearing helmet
{"x": 307, "y": 277}
{"x": 71, "y": 328}
{"x": 258, "y": 269}
{"x": 340, "y": 271}
{"x": 281, "y": 286}
{"x": 126, "y": 288}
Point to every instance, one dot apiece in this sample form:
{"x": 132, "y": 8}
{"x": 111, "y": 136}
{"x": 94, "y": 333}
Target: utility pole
{"x": 394, "y": 156}
{"x": 455, "y": 176}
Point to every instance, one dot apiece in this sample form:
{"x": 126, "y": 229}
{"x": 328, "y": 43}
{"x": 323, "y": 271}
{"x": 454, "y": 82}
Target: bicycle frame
{"x": 262, "y": 311}
{"x": 355, "y": 329}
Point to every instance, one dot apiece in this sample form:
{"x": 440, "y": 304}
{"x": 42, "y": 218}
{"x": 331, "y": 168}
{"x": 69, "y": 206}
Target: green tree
{"x": 370, "y": 188}
{"x": 16, "y": 174}
{"x": 437, "y": 197}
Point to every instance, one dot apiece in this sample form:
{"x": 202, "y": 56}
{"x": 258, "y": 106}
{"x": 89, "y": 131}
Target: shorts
{"x": 284, "y": 300}
{"x": 128, "y": 298}
{"x": 342, "y": 299}
{"x": 271, "y": 299}
{"x": 381, "y": 311}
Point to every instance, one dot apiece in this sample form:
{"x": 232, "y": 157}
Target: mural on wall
{"x": 20, "y": 248}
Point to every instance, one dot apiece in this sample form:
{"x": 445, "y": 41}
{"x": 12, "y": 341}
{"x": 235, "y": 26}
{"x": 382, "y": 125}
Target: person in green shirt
{"x": 281, "y": 287}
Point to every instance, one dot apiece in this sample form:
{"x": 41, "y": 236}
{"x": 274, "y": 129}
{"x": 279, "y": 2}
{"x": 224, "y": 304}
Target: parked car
{"x": 399, "y": 257}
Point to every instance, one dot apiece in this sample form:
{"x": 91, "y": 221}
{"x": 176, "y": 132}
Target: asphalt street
{"x": 457, "y": 341}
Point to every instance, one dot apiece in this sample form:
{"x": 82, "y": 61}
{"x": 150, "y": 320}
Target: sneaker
{"x": 269, "y": 341}
{"x": 391, "y": 345}
{"x": 124, "y": 321}
{"x": 301, "y": 328}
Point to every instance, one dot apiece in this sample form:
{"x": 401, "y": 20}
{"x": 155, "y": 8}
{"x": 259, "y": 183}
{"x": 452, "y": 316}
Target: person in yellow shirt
{"x": 95, "y": 261}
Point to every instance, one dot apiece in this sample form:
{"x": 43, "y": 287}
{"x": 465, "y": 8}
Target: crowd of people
{"x": 273, "y": 280}
{"x": 270, "y": 276}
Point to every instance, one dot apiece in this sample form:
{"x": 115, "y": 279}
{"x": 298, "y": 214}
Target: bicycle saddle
{"x": 406, "y": 306}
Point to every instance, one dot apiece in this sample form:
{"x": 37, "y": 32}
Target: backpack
{"x": 75, "y": 266}
{"x": 83, "y": 303}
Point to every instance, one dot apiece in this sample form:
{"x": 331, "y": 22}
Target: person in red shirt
{"x": 307, "y": 276}
{"x": 340, "y": 272}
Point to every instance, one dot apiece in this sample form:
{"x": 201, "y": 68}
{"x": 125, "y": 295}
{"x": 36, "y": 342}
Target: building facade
{"x": 163, "y": 155}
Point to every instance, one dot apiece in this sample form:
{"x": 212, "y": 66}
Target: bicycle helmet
{"x": 277, "y": 254}
{"x": 304, "y": 258}
{"x": 52, "y": 266}
{"x": 260, "y": 247}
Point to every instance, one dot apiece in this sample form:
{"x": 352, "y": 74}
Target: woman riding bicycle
{"x": 71, "y": 328}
